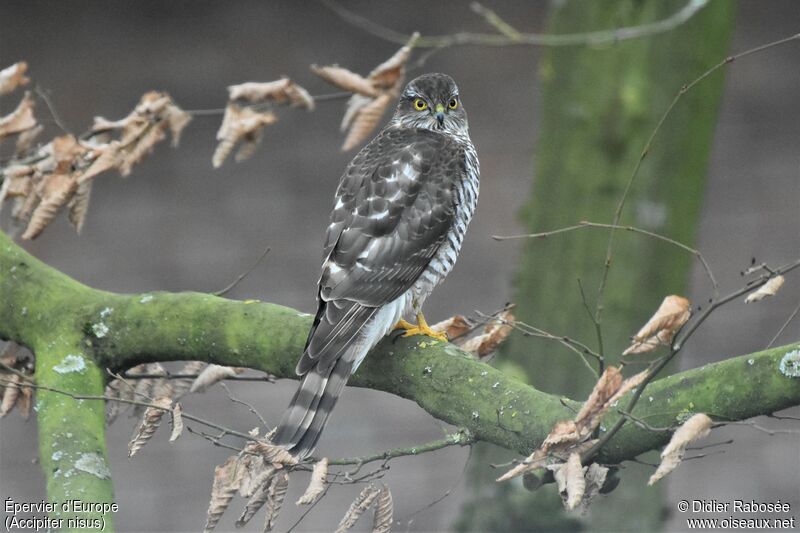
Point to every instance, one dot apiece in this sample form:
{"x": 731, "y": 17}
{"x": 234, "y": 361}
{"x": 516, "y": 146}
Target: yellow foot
{"x": 422, "y": 328}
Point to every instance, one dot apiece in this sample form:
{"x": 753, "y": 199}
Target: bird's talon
{"x": 422, "y": 328}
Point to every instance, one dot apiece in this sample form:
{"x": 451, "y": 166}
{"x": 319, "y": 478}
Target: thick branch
{"x": 119, "y": 331}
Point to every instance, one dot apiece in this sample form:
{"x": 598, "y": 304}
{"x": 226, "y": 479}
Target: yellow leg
{"x": 422, "y": 328}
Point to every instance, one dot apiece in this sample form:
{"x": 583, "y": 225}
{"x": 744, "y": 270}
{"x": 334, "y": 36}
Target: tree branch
{"x": 56, "y": 316}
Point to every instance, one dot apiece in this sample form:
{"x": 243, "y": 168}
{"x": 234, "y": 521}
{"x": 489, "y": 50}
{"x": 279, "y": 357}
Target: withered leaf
{"x": 275, "y": 497}
{"x": 240, "y": 125}
{"x": 696, "y": 427}
{"x": 346, "y": 80}
{"x": 492, "y": 337}
{"x": 20, "y": 119}
{"x": 453, "y": 327}
{"x": 257, "y": 490}
{"x": 671, "y": 315}
{"x": 316, "y": 485}
{"x": 570, "y": 480}
{"x": 55, "y": 191}
{"x": 79, "y": 205}
{"x": 384, "y": 511}
{"x": 25, "y": 139}
{"x": 362, "y": 502}
{"x": 227, "y": 478}
{"x": 11, "y": 394}
{"x": 390, "y": 73}
{"x": 177, "y": 422}
{"x": 148, "y": 425}
{"x": 271, "y": 453}
{"x": 213, "y": 374}
{"x": 770, "y": 288}
{"x": 13, "y": 77}
{"x": 588, "y": 418}
{"x": 281, "y": 91}
{"x": 365, "y": 119}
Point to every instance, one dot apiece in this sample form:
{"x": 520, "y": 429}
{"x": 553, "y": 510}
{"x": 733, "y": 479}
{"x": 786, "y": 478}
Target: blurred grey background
{"x": 177, "y": 224}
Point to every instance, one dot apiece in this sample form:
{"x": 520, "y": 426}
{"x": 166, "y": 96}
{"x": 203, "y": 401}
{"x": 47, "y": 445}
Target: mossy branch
{"x": 58, "y": 317}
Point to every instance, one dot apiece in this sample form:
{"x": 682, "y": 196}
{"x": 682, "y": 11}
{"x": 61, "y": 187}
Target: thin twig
{"x": 41, "y": 93}
{"x": 633, "y": 229}
{"x": 250, "y": 407}
{"x": 594, "y": 38}
{"x": 462, "y": 438}
{"x": 784, "y": 326}
{"x": 243, "y": 275}
{"x": 598, "y": 330}
{"x": 264, "y": 106}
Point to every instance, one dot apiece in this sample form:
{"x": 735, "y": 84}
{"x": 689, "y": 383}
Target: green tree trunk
{"x": 599, "y": 106}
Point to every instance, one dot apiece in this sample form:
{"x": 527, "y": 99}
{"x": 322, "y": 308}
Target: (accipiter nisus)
{"x": 402, "y": 209}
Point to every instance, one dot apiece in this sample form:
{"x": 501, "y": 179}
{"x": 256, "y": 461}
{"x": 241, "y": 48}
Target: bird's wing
{"x": 394, "y": 207}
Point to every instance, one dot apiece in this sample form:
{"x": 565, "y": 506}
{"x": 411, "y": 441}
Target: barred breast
{"x": 466, "y": 190}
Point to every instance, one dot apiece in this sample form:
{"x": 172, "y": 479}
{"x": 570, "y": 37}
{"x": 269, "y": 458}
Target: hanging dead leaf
{"x": 770, "y": 288}
{"x": 453, "y": 327}
{"x": 240, "y": 125}
{"x": 13, "y": 77}
{"x": 213, "y": 374}
{"x": 283, "y": 91}
{"x": 177, "y": 422}
{"x": 227, "y": 478}
{"x": 25, "y": 402}
{"x": 696, "y": 427}
{"x": 275, "y": 497}
{"x": 25, "y": 139}
{"x": 11, "y": 393}
{"x": 181, "y": 386}
{"x": 365, "y": 120}
{"x": 316, "y": 485}
{"x": 148, "y": 425}
{"x": 493, "y": 336}
{"x": 258, "y": 491}
{"x": 346, "y": 80}
{"x": 588, "y": 418}
{"x": 390, "y": 74}
{"x": 570, "y": 481}
{"x": 360, "y": 504}
{"x": 20, "y": 119}
{"x": 384, "y": 511}
{"x": 17, "y": 182}
{"x": 671, "y": 315}
{"x": 271, "y": 453}
{"x": 55, "y": 192}
{"x": 79, "y": 205}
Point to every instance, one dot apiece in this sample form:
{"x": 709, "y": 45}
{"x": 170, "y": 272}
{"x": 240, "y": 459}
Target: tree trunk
{"x": 599, "y": 106}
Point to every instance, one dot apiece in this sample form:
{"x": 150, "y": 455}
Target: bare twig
{"x": 250, "y": 407}
{"x": 462, "y": 438}
{"x": 586, "y": 224}
{"x": 509, "y": 37}
{"x": 784, "y": 326}
{"x": 243, "y": 275}
{"x": 45, "y": 97}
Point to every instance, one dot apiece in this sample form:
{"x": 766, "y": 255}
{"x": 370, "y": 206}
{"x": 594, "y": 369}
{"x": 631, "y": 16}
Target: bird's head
{"x": 431, "y": 102}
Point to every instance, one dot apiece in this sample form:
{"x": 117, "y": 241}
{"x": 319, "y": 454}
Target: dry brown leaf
{"x": 275, "y": 497}
{"x": 213, "y": 374}
{"x": 56, "y": 191}
{"x": 181, "y": 386}
{"x": 588, "y": 418}
{"x": 770, "y": 288}
{"x": 79, "y": 205}
{"x": 117, "y": 389}
{"x": 240, "y": 125}
{"x": 384, "y": 510}
{"x": 107, "y": 157}
{"x": 360, "y": 504}
{"x": 177, "y": 422}
{"x": 177, "y": 119}
{"x": 453, "y": 327}
{"x": 16, "y": 182}
{"x": 346, "y": 80}
{"x": 20, "y": 119}
{"x": 563, "y": 432}
{"x": 316, "y": 485}
{"x": 571, "y": 483}
{"x": 281, "y": 91}
{"x": 628, "y": 385}
{"x": 25, "y": 402}
{"x": 11, "y": 394}
{"x": 227, "y": 478}
{"x": 671, "y": 315}
{"x": 595, "y": 479}
{"x": 148, "y": 425}
{"x": 25, "y": 139}
{"x": 390, "y": 73}
{"x": 696, "y": 427}
{"x": 271, "y": 453}
{"x": 365, "y": 120}
{"x": 259, "y": 485}
{"x": 493, "y": 335}
{"x": 13, "y": 77}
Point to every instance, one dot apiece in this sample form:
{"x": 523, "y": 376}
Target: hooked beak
{"x": 439, "y": 114}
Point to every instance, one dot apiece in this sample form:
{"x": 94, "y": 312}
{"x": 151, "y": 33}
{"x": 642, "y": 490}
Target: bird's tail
{"x": 302, "y": 423}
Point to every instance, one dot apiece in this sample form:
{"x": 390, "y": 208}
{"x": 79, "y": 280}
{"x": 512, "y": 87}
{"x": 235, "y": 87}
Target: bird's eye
{"x": 453, "y": 103}
{"x": 420, "y": 104}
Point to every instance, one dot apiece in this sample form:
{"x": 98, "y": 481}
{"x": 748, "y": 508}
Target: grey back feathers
{"x": 401, "y": 210}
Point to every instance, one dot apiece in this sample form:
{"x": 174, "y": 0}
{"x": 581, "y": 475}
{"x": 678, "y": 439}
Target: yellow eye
{"x": 420, "y": 104}
{"x": 453, "y": 103}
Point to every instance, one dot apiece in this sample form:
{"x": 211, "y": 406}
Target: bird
{"x": 401, "y": 211}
